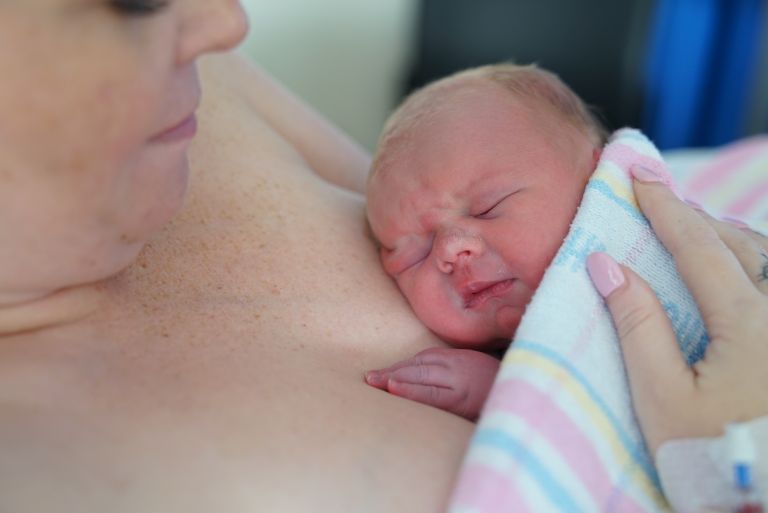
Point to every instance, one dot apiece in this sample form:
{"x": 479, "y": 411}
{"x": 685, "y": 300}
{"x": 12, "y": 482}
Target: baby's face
{"x": 472, "y": 211}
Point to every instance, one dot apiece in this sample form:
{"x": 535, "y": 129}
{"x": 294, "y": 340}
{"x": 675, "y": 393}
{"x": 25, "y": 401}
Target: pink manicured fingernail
{"x": 605, "y": 273}
{"x": 693, "y": 204}
{"x": 738, "y": 223}
{"x": 647, "y": 175}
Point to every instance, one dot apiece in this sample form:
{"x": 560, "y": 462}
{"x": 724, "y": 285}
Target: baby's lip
{"x": 476, "y": 293}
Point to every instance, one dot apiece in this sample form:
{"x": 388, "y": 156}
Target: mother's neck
{"x": 24, "y": 313}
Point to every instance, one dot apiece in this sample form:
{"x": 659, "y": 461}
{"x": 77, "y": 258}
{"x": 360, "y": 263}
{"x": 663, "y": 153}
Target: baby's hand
{"x": 455, "y": 380}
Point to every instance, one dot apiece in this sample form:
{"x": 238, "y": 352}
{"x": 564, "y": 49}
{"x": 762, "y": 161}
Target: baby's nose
{"x": 456, "y": 248}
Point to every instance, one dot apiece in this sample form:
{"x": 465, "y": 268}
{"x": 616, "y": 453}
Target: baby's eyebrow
{"x": 485, "y": 188}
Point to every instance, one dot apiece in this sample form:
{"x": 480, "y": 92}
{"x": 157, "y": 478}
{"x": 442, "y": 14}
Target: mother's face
{"x": 90, "y": 94}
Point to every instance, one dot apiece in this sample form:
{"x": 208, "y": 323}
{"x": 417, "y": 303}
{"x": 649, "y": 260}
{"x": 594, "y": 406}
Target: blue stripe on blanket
{"x": 683, "y": 322}
{"x": 637, "y": 451}
{"x": 605, "y": 189}
{"x": 518, "y": 452}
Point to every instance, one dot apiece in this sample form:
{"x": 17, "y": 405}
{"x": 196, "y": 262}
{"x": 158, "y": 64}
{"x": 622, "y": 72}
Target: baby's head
{"x": 474, "y": 184}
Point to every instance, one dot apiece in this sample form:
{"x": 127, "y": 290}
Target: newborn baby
{"x": 473, "y": 187}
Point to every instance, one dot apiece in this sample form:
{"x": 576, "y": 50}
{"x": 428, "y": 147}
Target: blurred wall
{"x": 354, "y": 59}
{"x": 595, "y": 46}
{"x": 347, "y": 58}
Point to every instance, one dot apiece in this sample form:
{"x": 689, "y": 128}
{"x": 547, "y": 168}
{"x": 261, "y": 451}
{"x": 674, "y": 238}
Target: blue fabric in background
{"x": 701, "y": 70}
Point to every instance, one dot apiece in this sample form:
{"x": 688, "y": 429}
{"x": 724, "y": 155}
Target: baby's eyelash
{"x": 488, "y": 211}
{"x": 139, "y": 7}
{"x": 404, "y": 259}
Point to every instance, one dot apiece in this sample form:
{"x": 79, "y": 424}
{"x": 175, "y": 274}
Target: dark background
{"x": 707, "y": 58}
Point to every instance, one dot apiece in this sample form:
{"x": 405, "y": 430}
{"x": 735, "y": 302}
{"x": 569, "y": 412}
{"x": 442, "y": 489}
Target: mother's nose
{"x": 209, "y": 26}
{"x": 456, "y": 248}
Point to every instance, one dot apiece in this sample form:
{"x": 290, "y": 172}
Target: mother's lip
{"x": 477, "y": 293}
{"x": 185, "y": 129}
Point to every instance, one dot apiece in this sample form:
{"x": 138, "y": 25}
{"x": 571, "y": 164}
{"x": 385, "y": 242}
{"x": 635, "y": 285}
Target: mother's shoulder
{"x": 325, "y": 150}
{"x": 232, "y": 76}
{"x": 233, "y": 73}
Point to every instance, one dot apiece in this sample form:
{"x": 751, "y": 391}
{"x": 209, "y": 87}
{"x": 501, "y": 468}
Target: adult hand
{"x": 726, "y": 270}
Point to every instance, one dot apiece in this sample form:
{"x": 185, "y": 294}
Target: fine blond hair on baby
{"x": 526, "y": 82}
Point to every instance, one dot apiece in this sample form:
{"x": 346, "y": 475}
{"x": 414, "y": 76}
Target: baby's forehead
{"x": 450, "y": 95}
{"x": 395, "y": 185}
{"x": 399, "y": 189}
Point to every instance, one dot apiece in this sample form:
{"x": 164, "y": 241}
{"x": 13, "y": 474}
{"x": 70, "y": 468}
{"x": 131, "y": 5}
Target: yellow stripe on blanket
{"x": 584, "y": 400}
{"x": 616, "y": 179}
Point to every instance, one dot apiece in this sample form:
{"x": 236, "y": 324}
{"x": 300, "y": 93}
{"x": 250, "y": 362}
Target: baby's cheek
{"x": 508, "y": 319}
{"x": 427, "y": 301}
{"x": 417, "y": 297}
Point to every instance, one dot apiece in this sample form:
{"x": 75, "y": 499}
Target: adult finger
{"x": 658, "y": 375}
{"x": 712, "y": 272}
{"x": 750, "y": 248}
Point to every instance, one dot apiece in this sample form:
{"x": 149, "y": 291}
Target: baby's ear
{"x": 596, "y": 152}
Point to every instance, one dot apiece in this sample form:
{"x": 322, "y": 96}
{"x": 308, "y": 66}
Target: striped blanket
{"x": 558, "y": 432}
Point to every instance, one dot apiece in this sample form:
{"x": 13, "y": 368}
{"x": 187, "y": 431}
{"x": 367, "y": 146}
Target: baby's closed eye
{"x": 403, "y": 258}
{"x": 486, "y": 211}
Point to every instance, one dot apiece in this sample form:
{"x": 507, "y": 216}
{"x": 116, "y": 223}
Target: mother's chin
{"x": 152, "y": 191}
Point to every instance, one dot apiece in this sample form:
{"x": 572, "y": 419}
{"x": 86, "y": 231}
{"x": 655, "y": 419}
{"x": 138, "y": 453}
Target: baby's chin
{"x": 487, "y": 338}
{"x": 484, "y": 337}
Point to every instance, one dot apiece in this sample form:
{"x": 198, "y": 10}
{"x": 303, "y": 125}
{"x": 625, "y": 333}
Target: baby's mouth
{"x": 477, "y": 293}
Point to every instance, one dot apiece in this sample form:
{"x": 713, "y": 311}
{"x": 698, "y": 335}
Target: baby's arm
{"x": 455, "y": 380}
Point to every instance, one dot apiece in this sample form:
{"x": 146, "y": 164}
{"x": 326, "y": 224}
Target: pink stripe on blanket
{"x": 731, "y": 160}
{"x": 487, "y": 490}
{"x": 625, "y": 156}
{"x": 547, "y": 420}
{"x": 742, "y": 207}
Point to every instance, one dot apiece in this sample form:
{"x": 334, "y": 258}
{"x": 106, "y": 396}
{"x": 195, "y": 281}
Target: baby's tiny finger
{"x": 436, "y": 375}
{"x": 434, "y": 355}
{"x": 439, "y": 397}
{"x": 376, "y": 379}
{"x": 408, "y": 362}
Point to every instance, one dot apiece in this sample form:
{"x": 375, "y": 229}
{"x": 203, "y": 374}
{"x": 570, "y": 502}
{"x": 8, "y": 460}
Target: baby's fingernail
{"x": 647, "y": 175}
{"x": 373, "y": 377}
{"x": 394, "y": 387}
{"x": 738, "y": 223}
{"x": 605, "y": 273}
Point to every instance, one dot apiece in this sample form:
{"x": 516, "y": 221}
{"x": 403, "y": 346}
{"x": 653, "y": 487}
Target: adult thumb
{"x": 659, "y": 377}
